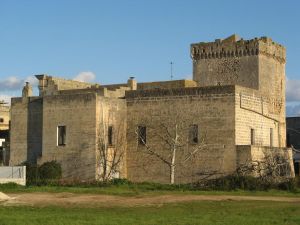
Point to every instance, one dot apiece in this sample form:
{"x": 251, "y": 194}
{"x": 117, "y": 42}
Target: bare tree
{"x": 111, "y": 145}
{"x": 274, "y": 166}
{"x": 175, "y": 138}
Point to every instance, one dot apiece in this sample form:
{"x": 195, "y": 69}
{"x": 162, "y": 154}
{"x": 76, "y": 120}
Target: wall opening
{"x": 193, "y": 134}
{"x": 110, "y": 135}
{"x": 271, "y": 137}
{"x": 61, "y": 135}
{"x": 252, "y": 136}
{"x": 142, "y": 135}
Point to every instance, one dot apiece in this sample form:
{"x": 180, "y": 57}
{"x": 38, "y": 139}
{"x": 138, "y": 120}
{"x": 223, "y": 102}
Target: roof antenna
{"x": 171, "y": 63}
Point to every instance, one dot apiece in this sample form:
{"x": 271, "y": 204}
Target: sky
{"x": 110, "y": 41}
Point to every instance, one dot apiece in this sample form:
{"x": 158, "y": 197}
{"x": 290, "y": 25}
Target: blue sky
{"x": 117, "y": 39}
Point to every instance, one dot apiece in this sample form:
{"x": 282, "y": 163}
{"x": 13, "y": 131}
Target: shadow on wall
{"x": 34, "y": 130}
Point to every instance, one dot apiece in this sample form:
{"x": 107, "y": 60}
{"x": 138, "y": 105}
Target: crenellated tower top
{"x": 234, "y": 46}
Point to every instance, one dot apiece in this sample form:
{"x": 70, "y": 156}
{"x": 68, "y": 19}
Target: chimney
{"x": 132, "y": 83}
{"x": 27, "y": 90}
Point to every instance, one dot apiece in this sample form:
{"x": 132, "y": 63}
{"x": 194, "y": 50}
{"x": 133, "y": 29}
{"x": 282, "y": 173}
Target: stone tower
{"x": 258, "y": 64}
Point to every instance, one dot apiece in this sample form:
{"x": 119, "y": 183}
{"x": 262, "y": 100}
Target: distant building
{"x": 4, "y": 116}
{"x": 4, "y": 133}
{"x": 234, "y": 109}
{"x": 293, "y": 139}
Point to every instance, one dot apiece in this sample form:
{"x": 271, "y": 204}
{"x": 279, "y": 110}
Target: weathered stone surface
{"x": 238, "y": 86}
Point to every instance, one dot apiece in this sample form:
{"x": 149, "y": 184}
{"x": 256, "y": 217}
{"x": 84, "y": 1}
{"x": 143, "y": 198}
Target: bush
{"x": 234, "y": 182}
{"x": 47, "y": 173}
{"x": 50, "y": 171}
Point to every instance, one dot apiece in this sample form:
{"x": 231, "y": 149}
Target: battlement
{"x": 181, "y": 92}
{"x": 234, "y": 46}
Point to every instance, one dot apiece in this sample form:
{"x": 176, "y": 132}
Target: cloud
{"x": 13, "y": 83}
{"x": 32, "y": 80}
{"x": 85, "y": 77}
{"x": 292, "y": 90}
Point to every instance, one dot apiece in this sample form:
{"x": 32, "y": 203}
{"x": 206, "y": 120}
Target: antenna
{"x": 171, "y": 63}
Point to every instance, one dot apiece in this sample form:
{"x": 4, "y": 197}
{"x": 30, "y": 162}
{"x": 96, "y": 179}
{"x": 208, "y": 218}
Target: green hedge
{"x": 234, "y": 182}
{"x": 44, "y": 174}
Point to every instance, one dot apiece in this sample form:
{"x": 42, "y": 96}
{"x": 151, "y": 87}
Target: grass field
{"x": 204, "y": 212}
{"x": 190, "y": 212}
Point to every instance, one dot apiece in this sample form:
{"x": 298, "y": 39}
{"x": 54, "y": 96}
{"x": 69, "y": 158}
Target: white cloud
{"x": 292, "y": 90}
{"x": 32, "y": 80}
{"x": 13, "y": 83}
{"x": 85, "y": 77}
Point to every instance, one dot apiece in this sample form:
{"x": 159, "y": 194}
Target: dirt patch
{"x": 87, "y": 200}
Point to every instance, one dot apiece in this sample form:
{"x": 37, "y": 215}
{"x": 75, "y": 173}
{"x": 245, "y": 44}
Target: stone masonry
{"x": 235, "y": 105}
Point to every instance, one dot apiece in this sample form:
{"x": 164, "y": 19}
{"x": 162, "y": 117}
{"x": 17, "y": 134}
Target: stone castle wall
{"x": 26, "y": 130}
{"x": 252, "y": 111}
{"x": 78, "y": 114}
{"x": 238, "y": 86}
{"x": 111, "y": 112}
{"x": 212, "y": 111}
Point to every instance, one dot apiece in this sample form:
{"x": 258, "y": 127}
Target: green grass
{"x": 205, "y": 212}
{"x": 141, "y": 189}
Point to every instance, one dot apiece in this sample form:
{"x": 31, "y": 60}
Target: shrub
{"x": 47, "y": 173}
{"x": 250, "y": 183}
{"x": 50, "y": 171}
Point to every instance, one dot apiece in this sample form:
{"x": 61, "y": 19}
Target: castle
{"x": 230, "y": 114}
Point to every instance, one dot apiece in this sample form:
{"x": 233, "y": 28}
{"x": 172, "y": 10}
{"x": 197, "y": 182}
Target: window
{"x": 61, "y": 135}
{"x": 1, "y": 120}
{"x": 288, "y": 140}
{"x": 142, "y": 135}
{"x": 297, "y": 168}
{"x": 252, "y": 136}
{"x": 110, "y": 135}
{"x": 271, "y": 137}
{"x": 193, "y": 134}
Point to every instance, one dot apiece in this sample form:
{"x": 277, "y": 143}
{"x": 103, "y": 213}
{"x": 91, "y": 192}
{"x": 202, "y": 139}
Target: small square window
{"x": 1, "y": 120}
{"x": 142, "y": 135}
{"x": 61, "y": 135}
